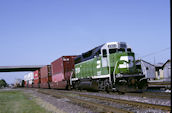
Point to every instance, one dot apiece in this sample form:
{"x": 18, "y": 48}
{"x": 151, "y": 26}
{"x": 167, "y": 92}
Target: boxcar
{"x": 46, "y": 76}
{"x": 61, "y": 72}
{"x": 37, "y": 79}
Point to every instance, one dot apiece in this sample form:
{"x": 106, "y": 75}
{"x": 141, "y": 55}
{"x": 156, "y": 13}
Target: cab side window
{"x": 98, "y": 53}
{"x": 104, "y": 53}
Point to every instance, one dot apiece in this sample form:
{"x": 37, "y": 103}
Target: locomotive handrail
{"x": 71, "y": 76}
{"x": 116, "y": 67}
{"x": 114, "y": 71}
{"x": 116, "y": 64}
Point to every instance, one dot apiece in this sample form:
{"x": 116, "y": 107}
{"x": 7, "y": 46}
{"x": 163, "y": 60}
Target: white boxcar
{"x": 26, "y": 77}
{"x": 31, "y": 77}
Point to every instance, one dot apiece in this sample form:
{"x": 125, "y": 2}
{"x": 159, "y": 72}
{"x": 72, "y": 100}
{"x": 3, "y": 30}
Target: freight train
{"x": 110, "y": 66}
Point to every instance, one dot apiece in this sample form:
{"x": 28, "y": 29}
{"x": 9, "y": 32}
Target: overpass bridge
{"x": 20, "y": 68}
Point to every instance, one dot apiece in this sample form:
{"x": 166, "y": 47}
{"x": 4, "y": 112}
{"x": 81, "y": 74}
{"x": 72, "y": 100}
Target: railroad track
{"x": 151, "y": 95}
{"x": 159, "y": 95}
{"x": 72, "y": 96}
{"x": 102, "y": 107}
{"x": 160, "y": 85}
{"x": 135, "y": 103}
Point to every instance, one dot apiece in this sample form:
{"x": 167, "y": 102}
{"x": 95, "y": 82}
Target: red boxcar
{"x": 37, "y": 79}
{"x": 61, "y": 72}
{"x": 25, "y": 83}
{"x": 46, "y": 75}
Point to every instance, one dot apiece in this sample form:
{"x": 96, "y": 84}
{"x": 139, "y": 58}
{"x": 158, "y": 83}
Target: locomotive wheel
{"x": 107, "y": 86}
{"x": 107, "y": 89}
{"x": 76, "y": 85}
{"x": 143, "y": 85}
{"x": 68, "y": 86}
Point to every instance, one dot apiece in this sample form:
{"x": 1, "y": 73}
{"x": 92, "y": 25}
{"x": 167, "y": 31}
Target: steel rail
{"x": 160, "y": 95}
{"x": 146, "y": 105}
{"x": 149, "y": 95}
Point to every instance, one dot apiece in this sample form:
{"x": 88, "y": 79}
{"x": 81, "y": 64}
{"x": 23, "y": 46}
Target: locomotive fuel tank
{"x": 89, "y": 85}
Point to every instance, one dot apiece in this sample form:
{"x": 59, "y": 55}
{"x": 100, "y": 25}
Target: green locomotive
{"x": 107, "y": 67}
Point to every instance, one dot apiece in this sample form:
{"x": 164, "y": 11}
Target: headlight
{"x": 119, "y": 75}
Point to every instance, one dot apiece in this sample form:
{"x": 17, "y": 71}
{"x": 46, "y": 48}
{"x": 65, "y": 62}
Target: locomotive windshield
{"x": 112, "y": 51}
{"x": 121, "y": 50}
{"x": 128, "y": 49}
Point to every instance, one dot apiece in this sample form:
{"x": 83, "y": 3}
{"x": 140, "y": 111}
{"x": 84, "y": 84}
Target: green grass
{"x": 18, "y": 102}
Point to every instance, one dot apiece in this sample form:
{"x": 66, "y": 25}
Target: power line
{"x": 153, "y": 53}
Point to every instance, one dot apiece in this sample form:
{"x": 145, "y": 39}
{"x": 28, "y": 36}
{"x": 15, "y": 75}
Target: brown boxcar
{"x": 37, "y": 79}
{"x": 45, "y": 75}
{"x": 61, "y": 72}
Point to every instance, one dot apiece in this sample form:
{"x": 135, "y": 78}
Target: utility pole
{"x": 154, "y": 60}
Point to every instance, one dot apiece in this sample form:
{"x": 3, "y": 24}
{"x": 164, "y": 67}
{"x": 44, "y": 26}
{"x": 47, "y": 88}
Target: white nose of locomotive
{"x": 128, "y": 62}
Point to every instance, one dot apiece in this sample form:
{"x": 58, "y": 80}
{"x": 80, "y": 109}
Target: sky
{"x": 37, "y": 32}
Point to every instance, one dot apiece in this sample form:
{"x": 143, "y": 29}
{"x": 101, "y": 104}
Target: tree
{"x": 18, "y": 82}
{"x": 3, "y": 83}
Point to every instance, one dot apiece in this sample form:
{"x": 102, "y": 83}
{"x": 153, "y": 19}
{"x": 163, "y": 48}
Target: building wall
{"x": 167, "y": 71}
{"x": 159, "y": 74}
{"x": 148, "y": 70}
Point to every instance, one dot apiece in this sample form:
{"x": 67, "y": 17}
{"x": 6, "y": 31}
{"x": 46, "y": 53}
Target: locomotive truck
{"x": 110, "y": 66}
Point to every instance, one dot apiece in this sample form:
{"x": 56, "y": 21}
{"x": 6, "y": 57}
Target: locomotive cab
{"x": 122, "y": 69}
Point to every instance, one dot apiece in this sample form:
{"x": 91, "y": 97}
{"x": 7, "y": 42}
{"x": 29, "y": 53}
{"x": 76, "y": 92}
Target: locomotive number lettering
{"x": 77, "y": 70}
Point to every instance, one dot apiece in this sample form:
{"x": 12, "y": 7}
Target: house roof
{"x": 169, "y": 60}
{"x": 159, "y": 64}
{"x": 145, "y": 62}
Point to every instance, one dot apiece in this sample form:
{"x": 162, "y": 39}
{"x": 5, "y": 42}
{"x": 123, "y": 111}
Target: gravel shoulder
{"x": 56, "y": 105}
